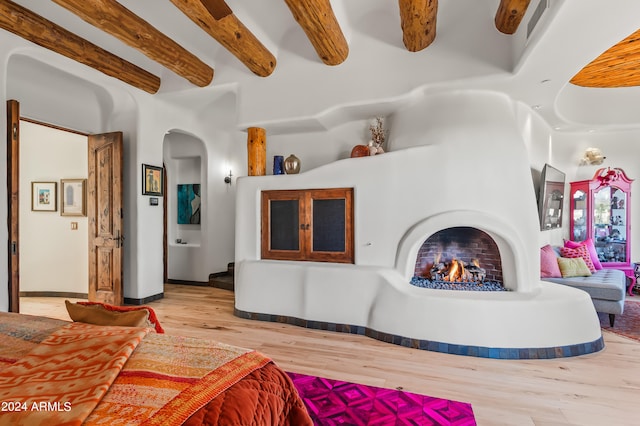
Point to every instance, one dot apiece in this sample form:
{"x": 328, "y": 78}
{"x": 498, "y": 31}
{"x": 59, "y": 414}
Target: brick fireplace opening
{"x": 459, "y": 258}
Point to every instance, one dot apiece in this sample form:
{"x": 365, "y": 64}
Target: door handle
{"x": 119, "y": 239}
{"x": 304, "y": 226}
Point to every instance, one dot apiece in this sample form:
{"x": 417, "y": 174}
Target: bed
{"x": 61, "y": 372}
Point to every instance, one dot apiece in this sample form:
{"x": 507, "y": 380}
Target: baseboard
{"x": 184, "y": 282}
{"x": 68, "y": 295}
{"x": 143, "y": 301}
{"x": 62, "y": 294}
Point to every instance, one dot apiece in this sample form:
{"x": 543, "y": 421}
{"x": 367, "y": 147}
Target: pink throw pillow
{"x": 580, "y": 251}
{"x": 588, "y": 243}
{"x": 549, "y": 263}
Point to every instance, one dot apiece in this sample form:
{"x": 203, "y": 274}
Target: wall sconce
{"x": 227, "y": 179}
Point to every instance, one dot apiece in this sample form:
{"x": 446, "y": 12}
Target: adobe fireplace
{"x": 458, "y": 140}
{"x": 459, "y": 258}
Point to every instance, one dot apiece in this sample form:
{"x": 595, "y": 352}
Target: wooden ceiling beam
{"x": 113, "y": 18}
{"x": 36, "y": 29}
{"x": 218, "y": 20}
{"x": 318, "y": 21}
{"x": 510, "y": 14}
{"x": 418, "y": 22}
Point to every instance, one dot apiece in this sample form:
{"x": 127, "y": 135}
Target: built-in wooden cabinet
{"x": 310, "y": 224}
{"x": 600, "y": 209}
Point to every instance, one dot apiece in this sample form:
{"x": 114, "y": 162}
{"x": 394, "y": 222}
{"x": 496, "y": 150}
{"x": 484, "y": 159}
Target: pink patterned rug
{"x": 333, "y": 402}
{"x": 627, "y": 324}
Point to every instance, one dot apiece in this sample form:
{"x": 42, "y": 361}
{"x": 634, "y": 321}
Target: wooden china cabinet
{"x": 600, "y": 209}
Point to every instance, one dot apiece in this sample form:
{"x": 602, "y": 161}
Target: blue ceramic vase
{"x": 278, "y": 165}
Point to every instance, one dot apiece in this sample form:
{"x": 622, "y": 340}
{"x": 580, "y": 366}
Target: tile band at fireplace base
{"x": 477, "y": 351}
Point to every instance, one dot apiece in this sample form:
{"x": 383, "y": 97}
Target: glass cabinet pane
{"x": 285, "y": 224}
{"x": 610, "y": 230}
{"x": 618, "y": 215}
{"x": 601, "y": 213}
{"x": 329, "y": 225}
{"x": 579, "y": 216}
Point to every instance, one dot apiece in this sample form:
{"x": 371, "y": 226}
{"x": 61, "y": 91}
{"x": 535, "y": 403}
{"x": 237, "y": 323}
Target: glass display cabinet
{"x": 600, "y": 210}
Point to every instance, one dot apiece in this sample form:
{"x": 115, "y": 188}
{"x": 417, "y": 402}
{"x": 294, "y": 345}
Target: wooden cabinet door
{"x": 330, "y": 225}
{"x": 283, "y": 221}
{"x": 308, "y": 225}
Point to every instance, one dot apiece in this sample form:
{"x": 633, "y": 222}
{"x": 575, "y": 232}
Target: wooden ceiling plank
{"x": 36, "y": 29}
{"x": 318, "y": 21}
{"x": 215, "y": 18}
{"x": 113, "y": 18}
{"x": 418, "y": 21}
{"x": 615, "y": 67}
{"x": 510, "y": 14}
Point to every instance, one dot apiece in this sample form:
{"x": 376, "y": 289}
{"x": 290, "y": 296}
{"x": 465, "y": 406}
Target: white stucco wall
{"x": 53, "y": 257}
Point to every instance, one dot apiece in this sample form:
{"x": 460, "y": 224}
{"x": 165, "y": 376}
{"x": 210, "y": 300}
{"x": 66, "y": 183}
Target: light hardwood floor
{"x": 597, "y": 389}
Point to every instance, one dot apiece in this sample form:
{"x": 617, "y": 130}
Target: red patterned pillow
{"x": 581, "y": 251}
{"x": 588, "y": 243}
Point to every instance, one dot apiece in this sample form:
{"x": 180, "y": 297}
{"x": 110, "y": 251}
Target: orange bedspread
{"x": 167, "y": 380}
{"x": 63, "y": 378}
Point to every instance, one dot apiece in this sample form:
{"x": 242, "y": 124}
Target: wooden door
{"x": 104, "y": 214}
{"x": 13, "y": 187}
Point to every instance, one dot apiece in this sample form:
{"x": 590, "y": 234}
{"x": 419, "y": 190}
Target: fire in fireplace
{"x": 457, "y": 271}
{"x": 459, "y": 258}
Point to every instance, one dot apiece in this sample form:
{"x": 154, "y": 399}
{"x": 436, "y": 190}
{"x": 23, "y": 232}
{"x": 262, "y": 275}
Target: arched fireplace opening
{"x": 459, "y": 258}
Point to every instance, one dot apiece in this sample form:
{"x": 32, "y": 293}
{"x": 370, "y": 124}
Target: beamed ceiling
{"x": 618, "y": 67}
{"x": 290, "y": 49}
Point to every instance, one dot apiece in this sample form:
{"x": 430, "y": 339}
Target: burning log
{"x": 477, "y": 273}
{"x": 458, "y": 271}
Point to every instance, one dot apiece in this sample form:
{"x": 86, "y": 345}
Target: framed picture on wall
{"x": 152, "y": 180}
{"x": 44, "y": 197}
{"x": 73, "y": 199}
{"x": 189, "y": 203}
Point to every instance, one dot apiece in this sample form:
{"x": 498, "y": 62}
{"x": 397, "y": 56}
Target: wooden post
{"x": 418, "y": 22}
{"x": 257, "y": 151}
{"x": 510, "y": 14}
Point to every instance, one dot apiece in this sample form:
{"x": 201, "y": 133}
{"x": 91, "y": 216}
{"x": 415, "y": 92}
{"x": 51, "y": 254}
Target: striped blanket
{"x": 55, "y": 372}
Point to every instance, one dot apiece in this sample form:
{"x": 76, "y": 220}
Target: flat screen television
{"x": 551, "y": 198}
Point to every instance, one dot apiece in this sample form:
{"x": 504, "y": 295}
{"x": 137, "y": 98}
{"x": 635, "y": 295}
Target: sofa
{"x": 607, "y": 287}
